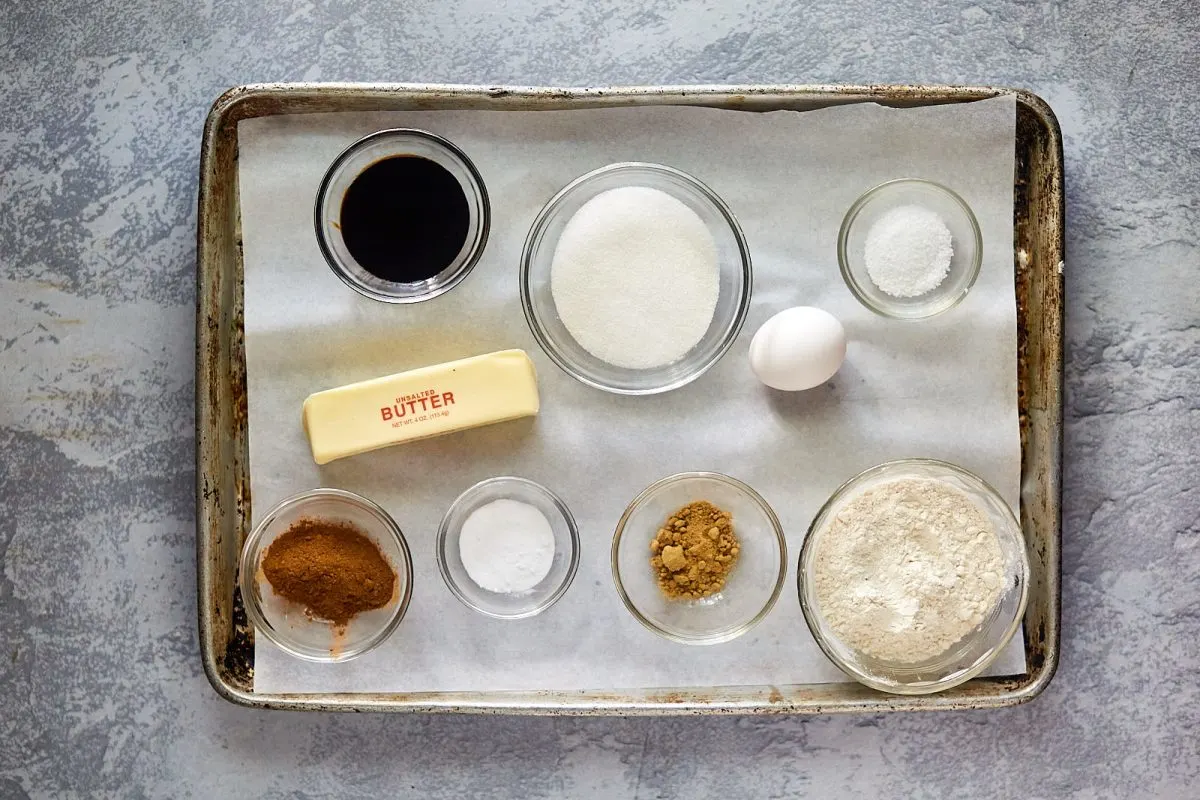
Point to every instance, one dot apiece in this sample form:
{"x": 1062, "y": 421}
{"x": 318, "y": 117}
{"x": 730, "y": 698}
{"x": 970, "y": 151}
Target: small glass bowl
{"x": 964, "y": 230}
{"x": 973, "y": 653}
{"x": 517, "y": 605}
{"x": 285, "y": 623}
{"x": 735, "y": 280}
{"x": 351, "y": 163}
{"x": 753, "y": 585}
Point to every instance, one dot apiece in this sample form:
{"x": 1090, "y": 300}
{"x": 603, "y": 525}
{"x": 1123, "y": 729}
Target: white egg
{"x": 798, "y": 348}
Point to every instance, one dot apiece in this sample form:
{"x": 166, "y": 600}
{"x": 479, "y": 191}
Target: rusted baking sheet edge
{"x": 222, "y": 482}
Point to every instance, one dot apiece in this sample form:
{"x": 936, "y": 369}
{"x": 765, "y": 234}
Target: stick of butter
{"x": 420, "y": 403}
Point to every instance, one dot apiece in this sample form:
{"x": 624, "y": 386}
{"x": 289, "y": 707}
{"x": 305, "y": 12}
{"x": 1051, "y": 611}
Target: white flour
{"x": 507, "y": 546}
{"x": 907, "y": 569}
{"x": 635, "y": 277}
{"x": 908, "y": 251}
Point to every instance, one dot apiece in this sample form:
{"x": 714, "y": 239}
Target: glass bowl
{"x": 964, "y": 230}
{"x": 735, "y": 280}
{"x": 753, "y": 584}
{"x": 973, "y": 653}
{"x": 351, "y": 163}
{"x": 285, "y": 623}
{"x": 504, "y": 605}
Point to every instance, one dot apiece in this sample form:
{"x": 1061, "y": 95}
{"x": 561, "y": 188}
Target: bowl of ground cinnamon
{"x": 326, "y": 575}
{"x": 699, "y": 558}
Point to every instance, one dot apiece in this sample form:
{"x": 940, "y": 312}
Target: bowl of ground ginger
{"x": 326, "y": 575}
{"x": 699, "y": 558}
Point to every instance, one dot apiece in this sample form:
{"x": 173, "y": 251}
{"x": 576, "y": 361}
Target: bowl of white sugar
{"x": 910, "y": 249}
{"x": 635, "y": 278}
{"x": 913, "y": 576}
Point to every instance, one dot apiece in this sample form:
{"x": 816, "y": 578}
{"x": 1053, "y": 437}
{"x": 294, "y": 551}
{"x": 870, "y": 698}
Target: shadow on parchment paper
{"x": 422, "y": 466}
{"x": 834, "y": 423}
{"x": 819, "y": 403}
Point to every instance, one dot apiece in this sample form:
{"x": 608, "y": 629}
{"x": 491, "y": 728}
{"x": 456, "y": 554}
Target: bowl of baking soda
{"x": 635, "y": 278}
{"x": 913, "y": 576}
{"x": 508, "y": 548}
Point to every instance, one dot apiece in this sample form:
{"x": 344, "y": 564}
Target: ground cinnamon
{"x": 331, "y": 568}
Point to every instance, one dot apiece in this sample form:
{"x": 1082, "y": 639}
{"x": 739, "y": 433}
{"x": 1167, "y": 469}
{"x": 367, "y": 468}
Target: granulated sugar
{"x": 907, "y": 569}
{"x": 908, "y": 251}
{"x": 635, "y": 277}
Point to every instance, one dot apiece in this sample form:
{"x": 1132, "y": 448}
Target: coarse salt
{"x": 635, "y": 277}
{"x": 908, "y": 251}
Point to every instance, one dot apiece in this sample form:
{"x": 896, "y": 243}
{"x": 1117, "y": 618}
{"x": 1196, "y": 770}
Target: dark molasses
{"x": 405, "y": 218}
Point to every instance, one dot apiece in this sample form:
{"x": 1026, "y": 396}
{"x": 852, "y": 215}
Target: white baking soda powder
{"x": 507, "y": 546}
{"x": 635, "y": 277}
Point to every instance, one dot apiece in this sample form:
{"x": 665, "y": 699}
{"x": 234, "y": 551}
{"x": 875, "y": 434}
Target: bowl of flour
{"x": 914, "y": 576}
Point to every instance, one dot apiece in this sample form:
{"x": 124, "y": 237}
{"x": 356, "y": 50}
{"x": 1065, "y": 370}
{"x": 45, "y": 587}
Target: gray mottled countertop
{"x": 101, "y": 690}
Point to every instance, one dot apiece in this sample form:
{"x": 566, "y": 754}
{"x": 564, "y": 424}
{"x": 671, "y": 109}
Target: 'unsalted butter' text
{"x": 412, "y": 404}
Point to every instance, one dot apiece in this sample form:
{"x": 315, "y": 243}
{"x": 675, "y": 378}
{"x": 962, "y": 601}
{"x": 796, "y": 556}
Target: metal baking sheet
{"x": 223, "y": 502}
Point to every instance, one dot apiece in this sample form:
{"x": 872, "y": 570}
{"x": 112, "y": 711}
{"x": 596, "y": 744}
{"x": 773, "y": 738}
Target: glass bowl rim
{"x": 851, "y": 217}
{"x": 476, "y": 184}
{"x": 776, "y": 528}
{"x": 444, "y": 533}
{"x": 819, "y": 636}
{"x": 537, "y": 231}
{"x": 246, "y": 577}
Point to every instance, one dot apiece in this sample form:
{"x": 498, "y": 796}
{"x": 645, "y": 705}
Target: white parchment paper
{"x": 942, "y": 388}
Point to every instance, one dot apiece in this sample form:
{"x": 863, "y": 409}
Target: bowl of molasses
{"x": 402, "y": 215}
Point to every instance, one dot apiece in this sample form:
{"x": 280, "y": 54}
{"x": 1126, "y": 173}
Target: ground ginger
{"x": 694, "y": 551}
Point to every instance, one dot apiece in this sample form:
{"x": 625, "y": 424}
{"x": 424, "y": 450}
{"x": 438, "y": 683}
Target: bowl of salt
{"x": 910, "y": 249}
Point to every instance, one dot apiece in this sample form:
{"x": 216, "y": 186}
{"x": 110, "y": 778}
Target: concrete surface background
{"x": 101, "y": 691}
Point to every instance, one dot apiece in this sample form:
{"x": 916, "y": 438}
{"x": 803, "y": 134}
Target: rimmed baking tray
{"x": 222, "y": 463}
